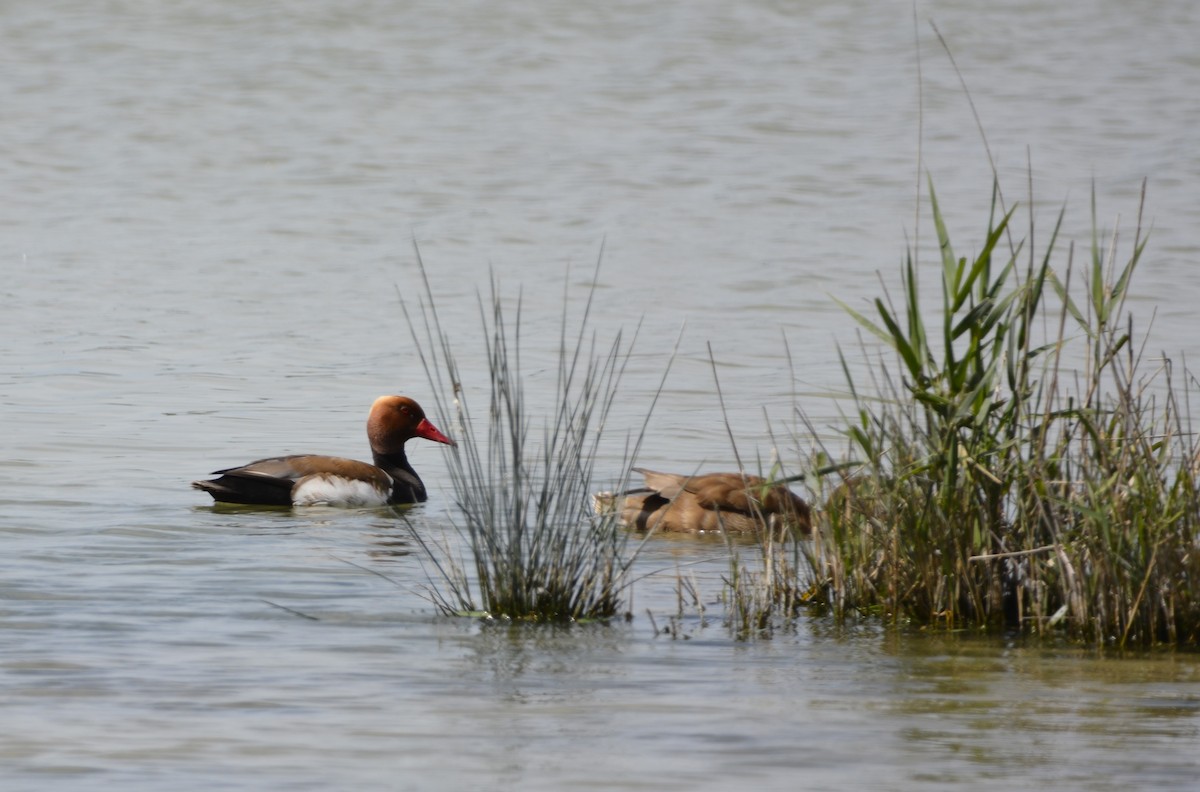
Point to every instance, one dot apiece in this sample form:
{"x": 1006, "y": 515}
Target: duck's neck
{"x": 406, "y": 484}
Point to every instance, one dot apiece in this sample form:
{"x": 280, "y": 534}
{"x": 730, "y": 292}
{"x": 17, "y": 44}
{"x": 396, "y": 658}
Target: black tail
{"x": 251, "y": 490}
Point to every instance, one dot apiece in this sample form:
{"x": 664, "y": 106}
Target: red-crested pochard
{"x": 708, "y": 502}
{"x": 310, "y": 479}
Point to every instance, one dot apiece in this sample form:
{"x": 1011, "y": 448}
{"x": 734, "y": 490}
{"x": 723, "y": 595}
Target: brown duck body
{"x": 710, "y": 502}
{"x": 310, "y": 479}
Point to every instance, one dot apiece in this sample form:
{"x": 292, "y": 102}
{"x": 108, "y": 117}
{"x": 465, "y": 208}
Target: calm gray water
{"x": 209, "y": 213}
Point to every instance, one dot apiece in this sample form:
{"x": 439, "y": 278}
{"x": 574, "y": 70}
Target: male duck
{"x": 708, "y": 502}
{"x": 311, "y": 479}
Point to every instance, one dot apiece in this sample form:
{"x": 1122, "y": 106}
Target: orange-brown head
{"x": 394, "y": 420}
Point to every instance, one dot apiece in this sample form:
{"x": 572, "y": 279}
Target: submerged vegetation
{"x": 1001, "y": 487}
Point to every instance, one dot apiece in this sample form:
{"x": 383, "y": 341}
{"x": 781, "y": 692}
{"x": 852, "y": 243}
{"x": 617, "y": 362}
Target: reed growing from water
{"x": 762, "y": 591}
{"x": 536, "y": 550}
{"x": 1020, "y": 467}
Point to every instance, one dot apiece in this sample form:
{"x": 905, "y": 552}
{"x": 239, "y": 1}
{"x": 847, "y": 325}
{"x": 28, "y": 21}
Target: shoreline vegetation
{"x": 1025, "y": 466}
{"x": 1020, "y": 465}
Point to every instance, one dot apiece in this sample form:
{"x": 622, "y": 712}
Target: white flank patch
{"x": 324, "y": 489}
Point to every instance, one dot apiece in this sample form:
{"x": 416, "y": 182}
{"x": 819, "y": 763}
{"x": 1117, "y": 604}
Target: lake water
{"x": 209, "y": 216}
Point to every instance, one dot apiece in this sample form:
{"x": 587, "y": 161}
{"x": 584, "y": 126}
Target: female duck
{"x": 311, "y": 479}
{"x": 731, "y": 502}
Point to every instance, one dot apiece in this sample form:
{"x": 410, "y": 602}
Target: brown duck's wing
{"x": 728, "y": 493}
{"x": 666, "y": 484}
{"x": 298, "y": 466}
{"x": 725, "y": 491}
{"x": 746, "y": 494}
{"x": 713, "y": 501}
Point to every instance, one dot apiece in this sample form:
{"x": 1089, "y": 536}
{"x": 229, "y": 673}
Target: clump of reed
{"x": 767, "y": 592}
{"x": 1020, "y": 469}
{"x": 536, "y": 550}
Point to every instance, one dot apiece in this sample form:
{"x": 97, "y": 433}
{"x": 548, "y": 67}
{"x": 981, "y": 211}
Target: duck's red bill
{"x": 430, "y": 432}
